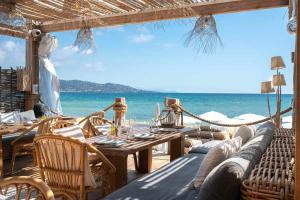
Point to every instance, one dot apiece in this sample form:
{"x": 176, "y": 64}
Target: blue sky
{"x": 147, "y": 57}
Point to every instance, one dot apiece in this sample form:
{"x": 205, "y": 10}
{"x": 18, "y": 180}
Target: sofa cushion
{"x": 9, "y": 117}
{"x": 268, "y": 124}
{"x": 28, "y": 115}
{"x": 215, "y": 156}
{"x": 230, "y": 173}
{"x": 205, "y": 147}
{"x": 245, "y": 132}
{"x": 261, "y": 140}
{"x": 169, "y": 182}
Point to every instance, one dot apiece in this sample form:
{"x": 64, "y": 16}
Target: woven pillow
{"x": 245, "y": 132}
{"x": 215, "y": 156}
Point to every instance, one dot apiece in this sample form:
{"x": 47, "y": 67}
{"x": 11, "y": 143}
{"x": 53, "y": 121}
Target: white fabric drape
{"x": 49, "y": 83}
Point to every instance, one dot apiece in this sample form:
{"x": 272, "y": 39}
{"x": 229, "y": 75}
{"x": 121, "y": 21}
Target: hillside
{"x": 86, "y": 86}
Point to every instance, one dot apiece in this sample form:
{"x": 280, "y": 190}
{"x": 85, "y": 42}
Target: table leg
{"x": 1, "y": 157}
{"x": 120, "y": 162}
{"x": 145, "y": 160}
{"x": 176, "y": 148}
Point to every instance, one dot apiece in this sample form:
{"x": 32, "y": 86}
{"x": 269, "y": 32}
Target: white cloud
{"x": 143, "y": 29}
{"x": 71, "y": 49}
{"x": 87, "y": 52}
{"x": 167, "y": 45}
{"x": 118, "y": 28}
{"x": 142, "y": 38}
{"x": 9, "y": 51}
{"x": 98, "y": 32}
{"x": 10, "y": 45}
{"x": 95, "y": 66}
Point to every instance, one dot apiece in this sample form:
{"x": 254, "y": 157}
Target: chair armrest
{"x": 93, "y": 149}
{"x": 32, "y": 127}
{"x": 24, "y": 133}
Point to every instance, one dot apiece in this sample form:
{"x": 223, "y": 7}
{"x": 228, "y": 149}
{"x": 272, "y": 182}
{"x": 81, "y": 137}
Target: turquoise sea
{"x": 141, "y": 106}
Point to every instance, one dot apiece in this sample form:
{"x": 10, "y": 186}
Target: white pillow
{"x": 28, "y": 115}
{"x": 74, "y": 132}
{"x": 245, "y": 132}
{"x": 8, "y": 117}
{"x": 215, "y": 156}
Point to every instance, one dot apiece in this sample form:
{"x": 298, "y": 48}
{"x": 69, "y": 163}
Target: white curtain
{"x": 49, "y": 83}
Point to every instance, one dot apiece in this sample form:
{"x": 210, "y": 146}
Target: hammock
{"x": 229, "y": 125}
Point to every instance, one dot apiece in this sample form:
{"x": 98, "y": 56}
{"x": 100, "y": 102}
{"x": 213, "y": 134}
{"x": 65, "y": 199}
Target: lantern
{"x": 167, "y": 118}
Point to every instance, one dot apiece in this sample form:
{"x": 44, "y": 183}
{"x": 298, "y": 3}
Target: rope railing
{"x": 117, "y": 106}
{"x": 229, "y": 125}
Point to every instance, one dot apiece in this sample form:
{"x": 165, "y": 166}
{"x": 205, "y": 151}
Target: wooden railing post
{"x": 120, "y": 109}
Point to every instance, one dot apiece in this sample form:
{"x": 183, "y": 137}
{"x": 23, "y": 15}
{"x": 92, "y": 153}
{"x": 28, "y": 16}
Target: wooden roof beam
{"x": 203, "y": 8}
{"x": 12, "y": 31}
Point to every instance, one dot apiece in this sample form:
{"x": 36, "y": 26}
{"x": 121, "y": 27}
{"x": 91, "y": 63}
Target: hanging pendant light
{"x": 292, "y": 22}
{"x": 85, "y": 40}
{"x": 204, "y": 36}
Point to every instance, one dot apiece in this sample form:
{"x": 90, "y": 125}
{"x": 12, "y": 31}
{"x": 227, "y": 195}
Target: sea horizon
{"x": 141, "y": 106}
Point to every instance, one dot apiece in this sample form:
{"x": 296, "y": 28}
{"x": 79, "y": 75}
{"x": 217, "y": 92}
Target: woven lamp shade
{"x": 267, "y": 87}
{"x": 277, "y": 63}
{"x": 278, "y": 80}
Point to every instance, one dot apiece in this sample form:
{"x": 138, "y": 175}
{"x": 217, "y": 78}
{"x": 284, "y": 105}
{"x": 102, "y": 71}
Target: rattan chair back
{"x": 24, "y": 187}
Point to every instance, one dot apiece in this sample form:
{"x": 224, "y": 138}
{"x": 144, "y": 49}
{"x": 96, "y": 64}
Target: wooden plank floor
{"x": 25, "y": 167}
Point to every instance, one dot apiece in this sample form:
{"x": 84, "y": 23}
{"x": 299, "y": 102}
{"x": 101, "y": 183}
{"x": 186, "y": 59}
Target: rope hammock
{"x": 228, "y": 125}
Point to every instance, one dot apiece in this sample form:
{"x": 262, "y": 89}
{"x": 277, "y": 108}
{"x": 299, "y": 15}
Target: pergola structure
{"x": 62, "y": 15}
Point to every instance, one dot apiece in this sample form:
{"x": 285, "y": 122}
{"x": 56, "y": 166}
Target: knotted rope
{"x": 120, "y": 107}
{"x": 228, "y": 125}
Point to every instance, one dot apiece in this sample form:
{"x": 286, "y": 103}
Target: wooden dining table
{"x": 4, "y": 131}
{"x": 119, "y": 155}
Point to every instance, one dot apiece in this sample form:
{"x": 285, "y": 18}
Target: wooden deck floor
{"x": 24, "y": 166}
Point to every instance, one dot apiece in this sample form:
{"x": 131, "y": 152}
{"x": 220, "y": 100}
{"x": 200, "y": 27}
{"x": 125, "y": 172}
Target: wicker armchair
{"x": 24, "y": 187}
{"x": 21, "y": 146}
{"x": 91, "y": 122}
{"x": 64, "y": 166}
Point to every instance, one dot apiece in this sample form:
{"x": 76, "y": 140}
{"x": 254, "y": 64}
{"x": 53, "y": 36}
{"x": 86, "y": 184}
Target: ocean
{"x": 141, "y": 106}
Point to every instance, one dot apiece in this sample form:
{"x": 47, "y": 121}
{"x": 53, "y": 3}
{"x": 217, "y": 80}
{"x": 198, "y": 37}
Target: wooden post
{"x": 120, "y": 109}
{"x": 297, "y": 103}
{"x": 32, "y": 61}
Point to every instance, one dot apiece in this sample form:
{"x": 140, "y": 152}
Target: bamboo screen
{"x": 10, "y": 98}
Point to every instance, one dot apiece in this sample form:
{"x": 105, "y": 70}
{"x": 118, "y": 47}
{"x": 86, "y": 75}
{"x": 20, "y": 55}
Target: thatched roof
{"x": 60, "y": 15}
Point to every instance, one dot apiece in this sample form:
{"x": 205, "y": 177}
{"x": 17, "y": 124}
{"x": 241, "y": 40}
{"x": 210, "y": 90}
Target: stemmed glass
{"x": 129, "y": 128}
